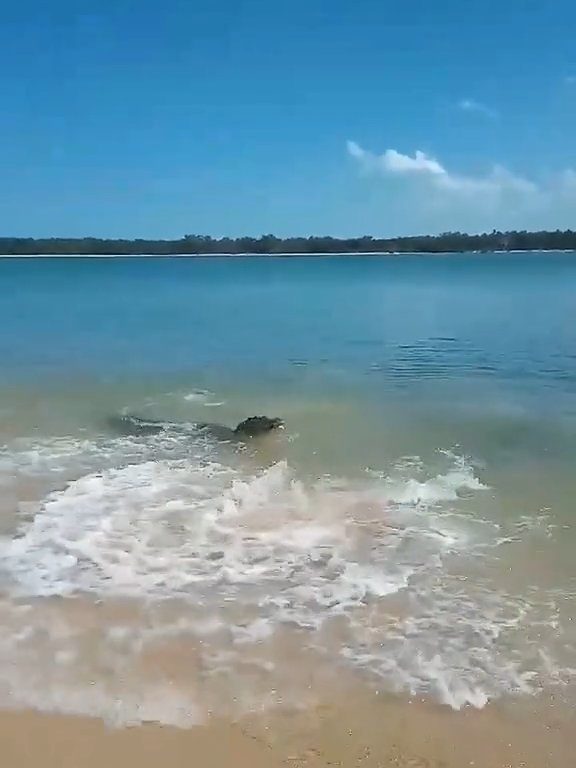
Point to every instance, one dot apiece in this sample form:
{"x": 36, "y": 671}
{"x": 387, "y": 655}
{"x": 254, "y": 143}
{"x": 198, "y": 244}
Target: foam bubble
{"x": 248, "y": 555}
{"x": 198, "y": 395}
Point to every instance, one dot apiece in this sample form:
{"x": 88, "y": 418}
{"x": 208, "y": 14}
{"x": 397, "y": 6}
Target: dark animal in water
{"x": 252, "y": 427}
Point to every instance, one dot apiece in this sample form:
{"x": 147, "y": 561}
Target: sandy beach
{"x": 30, "y": 739}
{"x": 358, "y": 729}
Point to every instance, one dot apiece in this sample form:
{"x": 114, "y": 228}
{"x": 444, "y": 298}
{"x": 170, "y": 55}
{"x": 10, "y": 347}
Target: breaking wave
{"x": 372, "y": 574}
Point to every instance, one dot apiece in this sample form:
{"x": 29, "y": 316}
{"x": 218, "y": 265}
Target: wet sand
{"x": 361, "y": 730}
{"x": 31, "y": 740}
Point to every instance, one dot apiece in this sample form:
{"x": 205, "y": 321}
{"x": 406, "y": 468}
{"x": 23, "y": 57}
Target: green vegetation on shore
{"x": 269, "y": 244}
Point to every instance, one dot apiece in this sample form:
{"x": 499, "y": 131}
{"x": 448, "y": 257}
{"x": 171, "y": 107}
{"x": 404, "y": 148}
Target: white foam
{"x": 248, "y": 553}
{"x": 153, "y": 704}
{"x": 198, "y": 395}
{"x": 444, "y": 487}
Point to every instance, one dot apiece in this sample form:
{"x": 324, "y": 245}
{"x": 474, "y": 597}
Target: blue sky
{"x": 228, "y": 117}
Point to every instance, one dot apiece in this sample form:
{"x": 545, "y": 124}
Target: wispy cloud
{"x": 395, "y": 162}
{"x": 471, "y": 105}
{"x": 440, "y": 198}
{"x": 570, "y": 80}
{"x": 431, "y": 170}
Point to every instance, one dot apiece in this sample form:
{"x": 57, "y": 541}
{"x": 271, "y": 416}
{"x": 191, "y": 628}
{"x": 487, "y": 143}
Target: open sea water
{"x": 413, "y": 526}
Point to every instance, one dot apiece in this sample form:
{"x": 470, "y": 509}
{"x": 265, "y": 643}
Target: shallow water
{"x": 412, "y": 526}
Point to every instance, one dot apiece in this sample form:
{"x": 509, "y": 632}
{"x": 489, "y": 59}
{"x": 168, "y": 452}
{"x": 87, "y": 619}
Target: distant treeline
{"x": 269, "y": 244}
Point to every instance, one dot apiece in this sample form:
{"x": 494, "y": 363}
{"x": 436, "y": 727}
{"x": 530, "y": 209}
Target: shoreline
{"x": 354, "y": 729}
{"x": 286, "y": 255}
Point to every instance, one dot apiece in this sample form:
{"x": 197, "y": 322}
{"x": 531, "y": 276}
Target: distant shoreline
{"x": 270, "y": 245}
{"x": 278, "y": 255}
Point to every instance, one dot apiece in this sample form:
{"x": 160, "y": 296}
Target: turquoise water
{"x": 493, "y": 316}
{"x": 416, "y": 517}
{"x": 488, "y": 339}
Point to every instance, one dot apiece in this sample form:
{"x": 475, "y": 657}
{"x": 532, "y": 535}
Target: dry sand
{"x": 366, "y": 730}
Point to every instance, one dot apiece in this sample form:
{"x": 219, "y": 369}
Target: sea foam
{"x": 368, "y": 571}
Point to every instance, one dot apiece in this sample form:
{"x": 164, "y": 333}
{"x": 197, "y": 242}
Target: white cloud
{"x": 570, "y": 80}
{"x": 355, "y": 150}
{"x": 394, "y": 163}
{"x": 471, "y": 105}
{"x": 440, "y": 198}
